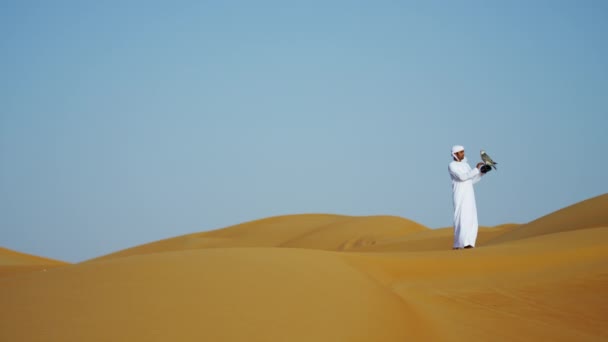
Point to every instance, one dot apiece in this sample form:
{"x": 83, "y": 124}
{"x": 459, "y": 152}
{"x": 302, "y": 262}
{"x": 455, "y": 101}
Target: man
{"x": 465, "y": 209}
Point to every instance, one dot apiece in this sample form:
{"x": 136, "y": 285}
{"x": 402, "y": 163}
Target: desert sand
{"x": 13, "y": 262}
{"x": 318, "y": 277}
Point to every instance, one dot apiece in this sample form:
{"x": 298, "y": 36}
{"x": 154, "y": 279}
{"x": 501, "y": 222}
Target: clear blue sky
{"x": 126, "y": 122}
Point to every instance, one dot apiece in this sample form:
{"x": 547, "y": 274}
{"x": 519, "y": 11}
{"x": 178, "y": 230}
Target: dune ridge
{"x": 13, "y": 262}
{"x": 589, "y": 213}
{"x": 320, "y": 277}
{"x": 311, "y": 231}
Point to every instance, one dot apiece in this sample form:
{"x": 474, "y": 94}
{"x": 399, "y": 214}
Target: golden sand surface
{"x": 318, "y": 277}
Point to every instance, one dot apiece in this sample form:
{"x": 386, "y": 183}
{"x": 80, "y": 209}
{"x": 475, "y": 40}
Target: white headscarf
{"x": 455, "y": 149}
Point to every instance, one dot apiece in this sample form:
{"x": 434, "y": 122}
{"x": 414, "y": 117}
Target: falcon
{"x": 487, "y": 160}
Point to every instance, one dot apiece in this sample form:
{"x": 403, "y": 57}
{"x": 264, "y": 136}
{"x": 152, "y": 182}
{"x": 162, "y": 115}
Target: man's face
{"x": 460, "y": 155}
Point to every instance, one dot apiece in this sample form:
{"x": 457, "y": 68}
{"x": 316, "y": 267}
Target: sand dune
{"x": 311, "y": 231}
{"x": 244, "y": 294}
{"x": 551, "y": 287}
{"x": 330, "y": 278}
{"x": 586, "y": 214}
{"x": 13, "y": 262}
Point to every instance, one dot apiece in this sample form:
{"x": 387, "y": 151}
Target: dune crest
{"x": 310, "y": 231}
{"x": 13, "y": 262}
{"x": 590, "y": 213}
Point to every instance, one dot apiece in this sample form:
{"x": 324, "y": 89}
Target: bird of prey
{"x": 487, "y": 160}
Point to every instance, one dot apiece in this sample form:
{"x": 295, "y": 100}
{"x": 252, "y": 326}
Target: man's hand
{"x": 479, "y": 165}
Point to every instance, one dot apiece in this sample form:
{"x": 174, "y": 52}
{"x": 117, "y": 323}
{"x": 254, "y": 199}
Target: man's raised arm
{"x": 463, "y": 176}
